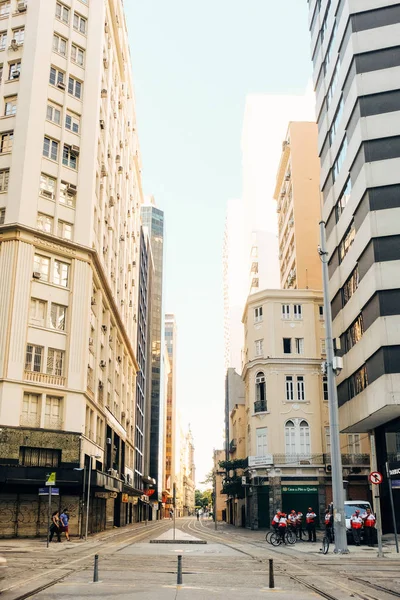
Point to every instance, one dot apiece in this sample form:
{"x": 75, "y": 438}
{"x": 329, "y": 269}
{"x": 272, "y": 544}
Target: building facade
{"x": 69, "y": 240}
{"x": 298, "y": 207}
{"x": 153, "y": 224}
{"x": 287, "y": 410}
{"x": 170, "y": 421}
{"x": 356, "y": 69}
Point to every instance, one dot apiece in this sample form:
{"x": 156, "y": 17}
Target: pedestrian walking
{"x": 369, "y": 527}
{"x": 311, "y": 518}
{"x": 197, "y": 515}
{"x": 55, "y": 526}
{"x": 299, "y": 525}
{"x": 329, "y": 525}
{"x": 171, "y": 514}
{"x": 282, "y": 526}
{"x": 64, "y": 520}
{"x": 356, "y": 524}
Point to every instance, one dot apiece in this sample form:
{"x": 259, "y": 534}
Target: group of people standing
{"x": 295, "y": 522}
{"x": 358, "y": 522}
{"x": 59, "y": 524}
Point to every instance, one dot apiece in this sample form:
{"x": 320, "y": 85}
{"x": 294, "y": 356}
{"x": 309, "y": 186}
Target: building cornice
{"x": 281, "y": 295}
{"x": 293, "y": 362}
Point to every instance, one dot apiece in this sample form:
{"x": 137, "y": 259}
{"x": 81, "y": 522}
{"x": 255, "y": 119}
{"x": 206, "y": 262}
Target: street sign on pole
{"x": 51, "y": 479}
{"x": 375, "y": 477}
{"x": 45, "y": 491}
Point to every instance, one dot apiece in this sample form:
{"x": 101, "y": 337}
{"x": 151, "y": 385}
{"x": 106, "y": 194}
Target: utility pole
{"x": 376, "y": 495}
{"x": 331, "y": 366}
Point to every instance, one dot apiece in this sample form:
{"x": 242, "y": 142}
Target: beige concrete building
{"x": 286, "y": 407}
{"x": 186, "y": 474}
{"x": 219, "y": 499}
{"x": 70, "y": 196}
{"x": 236, "y": 512}
{"x": 298, "y": 206}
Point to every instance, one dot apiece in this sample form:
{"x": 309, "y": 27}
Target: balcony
{"x": 29, "y": 421}
{"x": 232, "y": 446}
{"x": 351, "y": 460}
{"x": 260, "y": 406}
{"x": 299, "y": 460}
{"x": 44, "y": 378}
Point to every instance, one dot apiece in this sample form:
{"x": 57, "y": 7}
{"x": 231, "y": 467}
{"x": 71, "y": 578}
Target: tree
{"x": 203, "y": 499}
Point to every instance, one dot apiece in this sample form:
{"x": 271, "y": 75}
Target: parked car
{"x": 350, "y": 506}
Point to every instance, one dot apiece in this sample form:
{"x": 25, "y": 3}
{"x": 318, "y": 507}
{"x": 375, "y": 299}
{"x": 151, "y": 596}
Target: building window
{"x": 347, "y": 241}
{"x": 289, "y": 388}
{"x": 5, "y": 8}
{"x": 55, "y": 362}
{"x": 4, "y": 177}
{"x": 336, "y": 121}
{"x": 64, "y": 230}
{"x": 259, "y": 347}
{"x": 258, "y": 314}
{"x": 337, "y": 165}
{"x": 297, "y": 438}
{"x": 44, "y": 223}
{"x": 56, "y": 77}
{"x": 299, "y": 345}
{"x": 60, "y": 273}
{"x": 75, "y": 87}
{"x": 47, "y": 186}
{"x": 350, "y": 286}
{"x": 354, "y": 333}
{"x": 287, "y": 345}
{"x": 54, "y": 114}
{"x": 33, "y": 358}
{"x": 72, "y": 122}
{"x": 343, "y": 199}
{"x": 6, "y": 142}
{"x": 323, "y": 345}
{"x": 39, "y": 457}
{"x": 66, "y": 195}
{"x": 50, "y": 148}
{"x": 325, "y": 387}
{"x": 285, "y": 311}
{"x": 321, "y": 312}
{"x": 10, "y": 106}
{"x": 69, "y": 158}
{"x": 37, "y": 312}
{"x": 261, "y": 397}
{"x": 327, "y": 440}
{"x": 332, "y": 87}
{"x": 19, "y": 35}
{"x": 77, "y": 55}
{"x": 1, "y": 73}
{"x": 297, "y": 311}
{"x": 30, "y": 410}
{"x": 52, "y": 414}
{"x": 62, "y": 12}
{"x": 59, "y": 45}
{"x": 14, "y": 70}
{"x": 2, "y": 216}
{"x": 261, "y": 437}
{"x": 58, "y": 315}
{"x": 80, "y": 23}
{"x": 41, "y": 265}
{"x": 301, "y": 395}
{"x": 358, "y": 382}
{"x": 353, "y": 442}
{"x": 3, "y": 40}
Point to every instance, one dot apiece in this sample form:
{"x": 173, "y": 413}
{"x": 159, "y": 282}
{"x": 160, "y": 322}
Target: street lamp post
{"x": 331, "y": 371}
{"x": 88, "y": 492}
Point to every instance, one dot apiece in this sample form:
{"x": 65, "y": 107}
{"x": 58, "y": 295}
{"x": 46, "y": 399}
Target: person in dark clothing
{"x": 55, "y": 527}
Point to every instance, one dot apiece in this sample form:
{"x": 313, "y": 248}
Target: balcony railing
{"x": 232, "y": 445}
{"x": 29, "y": 421}
{"x": 298, "y": 459}
{"x": 44, "y": 378}
{"x": 53, "y": 422}
{"x": 358, "y": 460}
{"x": 260, "y": 406}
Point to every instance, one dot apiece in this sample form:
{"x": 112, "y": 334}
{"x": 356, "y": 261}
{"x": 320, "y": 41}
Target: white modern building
{"x": 356, "y": 57}
{"x": 70, "y": 197}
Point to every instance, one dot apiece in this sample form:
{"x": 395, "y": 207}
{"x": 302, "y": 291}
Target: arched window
{"x": 297, "y": 438}
{"x": 260, "y": 404}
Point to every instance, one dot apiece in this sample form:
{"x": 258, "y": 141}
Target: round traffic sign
{"x": 375, "y": 477}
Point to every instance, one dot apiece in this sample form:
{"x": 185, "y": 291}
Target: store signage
{"x": 261, "y": 461}
{"x": 125, "y": 498}
{"x": 144, "y": 498}
{"x": 395, "y": 484}
{"x": 300, "y": 489}
{"x": 45, "y": 491}
{"x": 394, "y": 469}
{"x": 105, "y": 495}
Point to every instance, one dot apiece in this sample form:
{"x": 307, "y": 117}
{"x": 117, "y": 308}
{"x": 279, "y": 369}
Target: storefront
{"x": 300, "y": 498}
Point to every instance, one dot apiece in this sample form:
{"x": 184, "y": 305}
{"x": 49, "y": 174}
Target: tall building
{"x": 185, "y": 473}
{"x": 356, "y": 61}
{"x": 153, "y": 223}
{"x": 70, "y": 220}
{"x": 170, "y": 422}
{"x": 298, "y": 206}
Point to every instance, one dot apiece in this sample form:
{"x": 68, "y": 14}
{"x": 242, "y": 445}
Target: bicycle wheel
{"x": 325, "y": 544}
{"x": 268, "y": 536}
{"x": 275, "y": 539}
{"x": 290, "y": 537}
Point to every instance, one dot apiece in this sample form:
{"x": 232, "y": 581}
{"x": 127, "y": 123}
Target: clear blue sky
{"x": 193, "y": 65}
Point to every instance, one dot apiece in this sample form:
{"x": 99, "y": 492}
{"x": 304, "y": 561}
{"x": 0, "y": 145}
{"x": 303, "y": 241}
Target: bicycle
{"x": 276, "y": 538}
{"x": 326, "y": 541}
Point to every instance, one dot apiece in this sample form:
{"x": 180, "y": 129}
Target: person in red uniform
{"x": 356, "y": 524}
{"x": 282, "y": 527}
{"x": 311, "y": 519}
{"x": 292, "y": 521}
{"x": 275, "y": 520}
{"x": 369, "y": 526}
{"x": 328, "y": 519}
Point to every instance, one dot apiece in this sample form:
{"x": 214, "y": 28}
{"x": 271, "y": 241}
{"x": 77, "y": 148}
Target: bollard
{"x": 96, "y": 568}
{"x": 179, "y": 578}
{"x": 271, "y": 573}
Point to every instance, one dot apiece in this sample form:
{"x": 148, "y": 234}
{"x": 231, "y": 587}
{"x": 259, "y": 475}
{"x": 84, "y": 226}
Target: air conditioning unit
{"x": 134, "y": 263}
{"x": 104, "y": 328}
{"x": 111, "y": 201}
{"x": 21, "y": 6}
{"x": 101, "y": 384}
{"x": 36, "y": 274}
{"x": 108, "y": 441}
{"x": 118, "y": 158}
{"x": 14, "y": 44}
{"x": 130, "y": 304}
{"x": 75, "y": 150}
{"x": 120, "y": 169}
{"x": 47, "y": 194}
{"x": 16, "y": 75}
{"x": 72, "y": 189}
{"x": 104, "y": 93}
{"x": 328, "y": 469}
{"x": 91, "y": 341}
{"x": 102, "y": 124}
{"x": 61, "y": 85}
{"x": 103, "y": 364}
